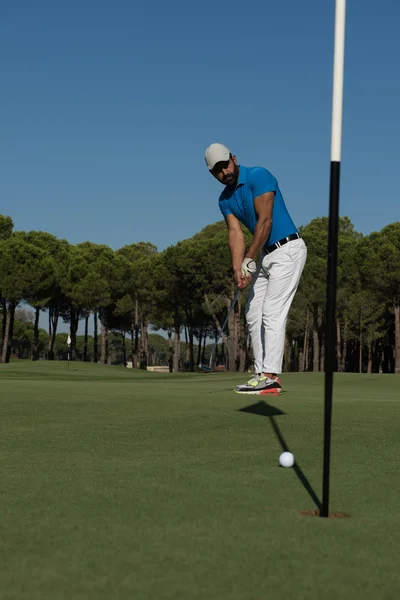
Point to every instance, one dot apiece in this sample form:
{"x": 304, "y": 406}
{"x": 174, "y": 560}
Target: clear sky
{"x": 106, "y": 108}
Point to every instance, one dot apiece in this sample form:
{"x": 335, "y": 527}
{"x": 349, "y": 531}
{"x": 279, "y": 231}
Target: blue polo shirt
{"x": 239, "y": 202}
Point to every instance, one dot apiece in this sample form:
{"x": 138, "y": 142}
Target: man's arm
{"x": 263, "y": 206}
{"x": 236, "y": 244}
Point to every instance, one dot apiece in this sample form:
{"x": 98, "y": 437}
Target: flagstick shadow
{"x": 267, "y": 410}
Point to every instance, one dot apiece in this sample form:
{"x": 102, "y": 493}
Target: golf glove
{"x": 249, "y": 267}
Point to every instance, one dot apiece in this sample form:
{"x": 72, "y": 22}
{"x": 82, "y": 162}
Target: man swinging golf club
{"x": 273, "y": 263}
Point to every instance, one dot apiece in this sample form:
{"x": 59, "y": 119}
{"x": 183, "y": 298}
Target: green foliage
{"x": 381, "y": 263}
{"x": 26, "y": 270}
{"x": 94, "y": 264}
{"x": 23, "y": 337}
{"x": 6, "y": 227}
{"x": 187, "y": 288}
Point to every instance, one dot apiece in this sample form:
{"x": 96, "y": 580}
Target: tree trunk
{"x": 133, "y": 348}
{"x": 321, "y": 333}
{"x": 177, "y": 344}
{"x": 249, "y": 351}
{"x": 135, "y": 351}
{"x": 203, "y": 353}
{"x": 108, "y": 354}
{"x": 217, "y": 324}
{"x": 236, "y": 340}
{"x": 242, "y": 341}
{"x": 191, "y": 348}
{"x": 8, "y": 328}
{"x": 286, "y": 355}
{"x": 344, "y": 352}
{"x": 123, "y": 334}
{"x": 35, "y": 343}
{"x": 361, "y": 345}
{"x": 3, "y": 327}
{"x": 397, "y": 339}
{"x": 369, "y": 368}
{"x": 304, "y": 361}
{"x": 199, "y": 347}
{"x": 144, "y": 342}
{"x": 232, "y": 336}
{"x": 85, "y": 345}
{"x": 322, "y": 358}
{"x": 53, "y": 319}
{"x": 6, "y": 332}
{"x": 104, "y": 338}
{"x": 153, "y": 358}
{"x": 242, "y": 353}
{"x": 11, "y": 310}
{"x": 50, "y": 335}
{"x": 381, "y": 360}
{"x": 315, "y": 341}
{"x": 95, "y": 339}
{"x": 11, "y": 331}
{"x": 170, "y": 351}
{"x": 338, "y": 345}
{"x": 187, "y": 349}
{"x": 73, "y": 330}
{"x": 189, "y": 337}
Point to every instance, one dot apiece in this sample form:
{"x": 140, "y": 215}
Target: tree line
{"x": 186, "y": 290}
{"x": 23, "y": 335}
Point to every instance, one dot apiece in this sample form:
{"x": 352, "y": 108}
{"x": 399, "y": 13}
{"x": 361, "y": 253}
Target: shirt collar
{"x": 228, "y": 191}
{"x": 242, "y": 176}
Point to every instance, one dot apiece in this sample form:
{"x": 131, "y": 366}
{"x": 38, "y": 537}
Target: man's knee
{"x": 271, "y": 322}
{"x": 252, "y": 314}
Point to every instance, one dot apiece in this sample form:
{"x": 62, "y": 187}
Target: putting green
{"x": 133, "y": 485}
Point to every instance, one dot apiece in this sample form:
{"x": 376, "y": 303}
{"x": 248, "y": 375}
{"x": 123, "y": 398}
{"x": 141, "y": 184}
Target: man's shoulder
{"x": 254, "y": 173}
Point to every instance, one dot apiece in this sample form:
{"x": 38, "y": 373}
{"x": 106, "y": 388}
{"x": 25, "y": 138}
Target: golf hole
{"x": 316, "y": 513}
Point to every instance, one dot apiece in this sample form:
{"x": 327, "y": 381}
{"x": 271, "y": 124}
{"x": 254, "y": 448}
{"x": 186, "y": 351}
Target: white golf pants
{"x": 273, "y": 289}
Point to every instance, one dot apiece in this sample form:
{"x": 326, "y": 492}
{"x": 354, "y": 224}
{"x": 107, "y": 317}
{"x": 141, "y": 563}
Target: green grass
{"x": 141, "y": 486}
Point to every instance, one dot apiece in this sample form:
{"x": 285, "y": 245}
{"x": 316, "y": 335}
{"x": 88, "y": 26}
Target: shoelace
{"x": 255, "y": 378}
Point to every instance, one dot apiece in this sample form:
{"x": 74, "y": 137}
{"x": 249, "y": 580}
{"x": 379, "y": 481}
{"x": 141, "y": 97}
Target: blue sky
{"x": 106, "y": 109}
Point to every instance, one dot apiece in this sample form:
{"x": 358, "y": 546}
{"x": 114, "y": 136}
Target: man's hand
{"x": 242, "y": 281}
{"x": 249, "y": 266}
{"x": 243, "y": 268}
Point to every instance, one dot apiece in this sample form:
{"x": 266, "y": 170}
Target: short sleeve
{"x": 262, "y": 182}
{"x": 223, "y": 206}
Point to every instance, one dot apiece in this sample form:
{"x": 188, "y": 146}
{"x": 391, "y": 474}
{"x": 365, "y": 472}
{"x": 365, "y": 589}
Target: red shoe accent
{"x": 273, "y": 392}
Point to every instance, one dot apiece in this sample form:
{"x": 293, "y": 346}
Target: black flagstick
{"x": 330, "y": 314}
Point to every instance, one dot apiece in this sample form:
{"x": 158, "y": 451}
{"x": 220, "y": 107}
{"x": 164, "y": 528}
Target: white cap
{"x": 216, "y": 153}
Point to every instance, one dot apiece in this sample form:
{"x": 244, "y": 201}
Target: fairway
{"x": 134, "y": 485}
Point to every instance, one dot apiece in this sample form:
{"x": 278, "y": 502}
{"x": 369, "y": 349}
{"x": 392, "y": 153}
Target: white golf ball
{"x": 286, "y": 459}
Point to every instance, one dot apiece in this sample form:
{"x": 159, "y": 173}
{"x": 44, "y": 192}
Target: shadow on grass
{"x": 267, "y": 410}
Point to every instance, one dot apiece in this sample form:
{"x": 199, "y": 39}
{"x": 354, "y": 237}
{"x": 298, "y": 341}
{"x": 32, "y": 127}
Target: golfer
{"x": 273, "y": 263}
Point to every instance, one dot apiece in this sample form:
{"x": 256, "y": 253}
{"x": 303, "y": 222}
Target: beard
{"x": 231, "y": 178}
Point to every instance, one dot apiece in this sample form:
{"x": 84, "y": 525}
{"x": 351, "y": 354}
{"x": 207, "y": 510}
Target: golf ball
{"x": 286, "y": 459}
